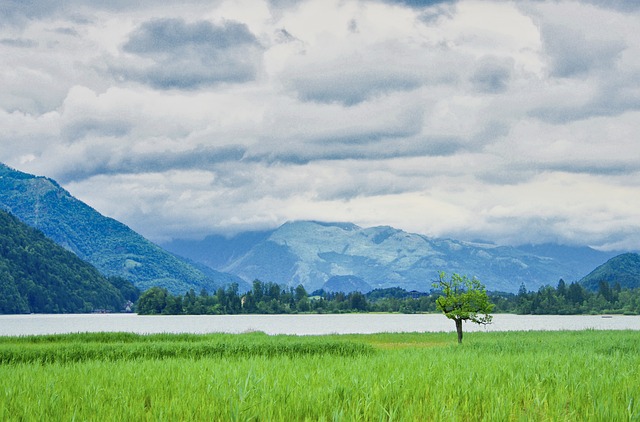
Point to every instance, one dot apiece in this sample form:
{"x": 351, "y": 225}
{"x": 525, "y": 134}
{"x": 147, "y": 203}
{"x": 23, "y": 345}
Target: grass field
{"x": 547, "y": 376}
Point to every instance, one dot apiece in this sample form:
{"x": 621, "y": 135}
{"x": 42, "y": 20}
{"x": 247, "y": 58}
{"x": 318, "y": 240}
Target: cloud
{"x": 67, "y": 31}
{"x": 583, "y": 221}
{"x": 345, "y": 81}
{"x": 18, "y": 12}
{"x": 509, "y": 121}
{"x": 353, "y": 77}
{"x": 18, "y": 42}
{"x": 592, "y": 69}
{"x": 352, "y": 54}
{"x": 573, "y": 53}
{"x": 492, "y": 75}
{"x": 621, "y": 5}
{"x": 101, "y": 161}
{"x": 191, "y": 55}
{"x": 420, "y": 3}
{"x": 169, "y": 35}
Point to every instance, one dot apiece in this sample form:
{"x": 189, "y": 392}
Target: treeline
{"x": 271, "y": 298}
{"x": 571, "y": 299}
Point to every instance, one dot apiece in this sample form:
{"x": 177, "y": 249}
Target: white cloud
{"x": 513, "y": 122}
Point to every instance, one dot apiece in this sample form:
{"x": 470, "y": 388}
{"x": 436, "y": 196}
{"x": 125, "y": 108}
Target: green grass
{"x": 127, "y": 347}
{"x": 509, "y": 376}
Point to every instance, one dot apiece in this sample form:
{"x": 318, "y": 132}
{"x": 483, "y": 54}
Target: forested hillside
{"x": 37, "y": 275}
{"x": 112, "y": 247}
{"x": 623, "y": 269}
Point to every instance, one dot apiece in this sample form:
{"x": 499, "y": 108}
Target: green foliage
{"x": 540, "y": 376}
{"x": 463, "y": 299}
{"x": 126, "y": 288}
{"x": 36, "y": 275}
{"x": 623, "y": 270}
{"x": 271, "y": 298}
{"x": 113, "y": 248}
{"x": 572, "y": 299}
{"x": 152, "y": 301}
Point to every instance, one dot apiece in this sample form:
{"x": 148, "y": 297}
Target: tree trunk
{"x": 459, "y": 329}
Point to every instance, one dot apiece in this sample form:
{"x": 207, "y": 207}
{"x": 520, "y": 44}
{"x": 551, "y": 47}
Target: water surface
{"x": 298, "y": 324}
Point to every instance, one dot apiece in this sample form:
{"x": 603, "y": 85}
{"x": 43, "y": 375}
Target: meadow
{"x": 505, "y": 376}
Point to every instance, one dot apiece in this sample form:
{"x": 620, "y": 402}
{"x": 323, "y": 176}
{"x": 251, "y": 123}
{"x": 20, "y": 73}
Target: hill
{"x": 113, "y": 248}
{"x": 312, "y": 253}
{"x": 37, "y": 275}
{"x": 623, "y": 269}
{"x": 346, "y": 284}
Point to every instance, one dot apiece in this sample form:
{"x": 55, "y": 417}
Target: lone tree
{"x": 463, "y": 300}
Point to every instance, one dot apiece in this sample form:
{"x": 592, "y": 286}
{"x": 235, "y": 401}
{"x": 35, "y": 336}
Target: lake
{"x": 12, "y": 325}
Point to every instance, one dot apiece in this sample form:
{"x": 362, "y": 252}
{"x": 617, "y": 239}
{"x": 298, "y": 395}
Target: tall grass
{"x": 588, "y": 375}
{"x": 125, "y": 346}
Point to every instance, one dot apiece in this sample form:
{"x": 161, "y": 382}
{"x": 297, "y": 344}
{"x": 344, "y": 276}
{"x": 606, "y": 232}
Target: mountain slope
{"x": 311, "y": 253}
{"x": 36, "y": 275}
{"x": 217, "y": 251}
{"x": 623, "y": 269}
{"x": 109, "y": 245}
{"x": 583, "y": 258}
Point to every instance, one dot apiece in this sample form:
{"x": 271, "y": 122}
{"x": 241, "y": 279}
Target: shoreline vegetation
{"x": 534, "y": 375}
{"x": 271, "y": 298}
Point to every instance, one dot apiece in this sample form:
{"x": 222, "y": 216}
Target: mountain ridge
{"x": 303, "y": 252}
{"x": 310, "y": 253}
{"x": 106, "y": 243}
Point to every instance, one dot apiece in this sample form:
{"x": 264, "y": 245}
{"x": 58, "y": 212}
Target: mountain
{"x": 217, "y": 251}
{"x": 113, "y": 248}
{"x": 311, "y": 253}
{"x": 583, "y": 258}
{"x": 37, "y": 275}
{"x": 346, "y": 284}
{"x": 623, "y": 269}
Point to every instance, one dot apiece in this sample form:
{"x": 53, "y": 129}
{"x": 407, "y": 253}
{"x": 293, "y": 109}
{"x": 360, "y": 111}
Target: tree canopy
{"x": 37, "y": 275}
{"x": 463, "y": 299}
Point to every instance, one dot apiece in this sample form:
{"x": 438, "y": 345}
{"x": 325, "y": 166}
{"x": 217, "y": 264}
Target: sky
{"x": 510, "y": 122}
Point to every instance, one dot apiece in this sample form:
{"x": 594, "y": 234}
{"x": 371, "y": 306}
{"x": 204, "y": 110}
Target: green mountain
{"x": 113, "y": 248}
{"x": 623, "y": 269}
{"x": 37, "y": 275}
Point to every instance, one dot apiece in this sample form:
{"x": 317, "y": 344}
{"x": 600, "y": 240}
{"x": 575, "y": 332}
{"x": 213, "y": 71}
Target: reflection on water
{"x": 298, "y": 324}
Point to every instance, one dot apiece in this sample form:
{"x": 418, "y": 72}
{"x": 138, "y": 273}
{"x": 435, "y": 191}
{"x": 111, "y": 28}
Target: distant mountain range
{"x": 37, "y": 275}
{"x": 343, "y": 256}
{"x": 332, "y": 256}
{"x": 109, "y": 245}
